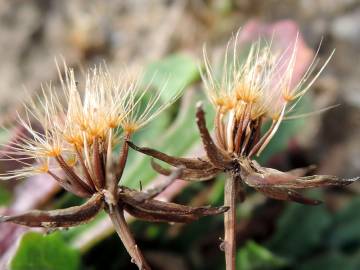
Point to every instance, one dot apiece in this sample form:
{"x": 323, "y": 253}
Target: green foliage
{"x": 300, "y": 230}
{"x": 45, "y": 252}
{"x": 313, "y": 238}
{"x": 256, "y": 257}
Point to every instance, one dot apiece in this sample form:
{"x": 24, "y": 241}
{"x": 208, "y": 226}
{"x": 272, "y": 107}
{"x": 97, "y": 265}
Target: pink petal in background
{"x": 283, "y": 35}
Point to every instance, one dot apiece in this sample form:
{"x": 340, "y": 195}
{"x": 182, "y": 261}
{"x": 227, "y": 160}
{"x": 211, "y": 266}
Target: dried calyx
{"x": 73, "y": 142}
{"x": 248, "y": 93}
{"x": 273, "y": 183}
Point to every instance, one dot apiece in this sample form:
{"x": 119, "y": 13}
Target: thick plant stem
{"x": 123, "y": 230}
{"x": 230, "y": 194}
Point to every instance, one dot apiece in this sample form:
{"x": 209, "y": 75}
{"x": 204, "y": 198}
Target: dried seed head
{"x": 74, "y": 130}
{"x": 261, "y": 87}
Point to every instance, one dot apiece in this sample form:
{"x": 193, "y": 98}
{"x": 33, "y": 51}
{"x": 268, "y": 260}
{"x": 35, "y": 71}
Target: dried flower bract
{"x": 247, "y": 94}
{"x": 71, "y": 136}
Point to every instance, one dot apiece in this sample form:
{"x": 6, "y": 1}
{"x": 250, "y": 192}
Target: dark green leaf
{"x": 300, "y": 230}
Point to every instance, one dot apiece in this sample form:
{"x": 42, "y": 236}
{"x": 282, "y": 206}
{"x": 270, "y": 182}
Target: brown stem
{"x": 230, "y": 194}
{"x": 122, "y": 229}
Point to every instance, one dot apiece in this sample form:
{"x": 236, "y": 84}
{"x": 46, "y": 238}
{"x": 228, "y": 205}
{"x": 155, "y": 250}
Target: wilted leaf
{"x": 45, "y": 252}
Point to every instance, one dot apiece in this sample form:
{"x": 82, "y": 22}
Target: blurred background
{"x": 166, "y": 37}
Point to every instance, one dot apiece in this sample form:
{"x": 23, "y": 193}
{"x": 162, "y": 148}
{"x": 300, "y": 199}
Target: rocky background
{"x": 140, "y": 32}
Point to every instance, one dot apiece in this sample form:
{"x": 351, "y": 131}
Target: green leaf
{"x": 174, "y": 72}
{"x": 44, "y": 252}
{"x": 300, "y": 230}
{"x": 254, "y": 256}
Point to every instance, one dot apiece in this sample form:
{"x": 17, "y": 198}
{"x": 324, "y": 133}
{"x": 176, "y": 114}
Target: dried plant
{"x": 261, "y": 88}
{"x": 72, "y": 136}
